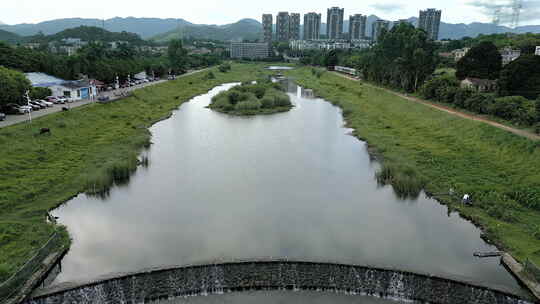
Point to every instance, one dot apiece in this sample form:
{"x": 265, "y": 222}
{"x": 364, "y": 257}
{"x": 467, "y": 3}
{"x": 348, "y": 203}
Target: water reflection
{"x": 291, "y": 185}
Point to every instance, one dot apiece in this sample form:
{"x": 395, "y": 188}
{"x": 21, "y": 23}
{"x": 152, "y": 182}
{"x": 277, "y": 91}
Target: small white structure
{"x": 537, "y": 51}
{"x": 75, "y": 90}
{"x": 460, "y": 53}
{"x": 508, "y": 55}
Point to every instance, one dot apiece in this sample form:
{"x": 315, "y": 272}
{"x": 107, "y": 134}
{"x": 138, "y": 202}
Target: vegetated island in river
{"x": 263, "y": 97}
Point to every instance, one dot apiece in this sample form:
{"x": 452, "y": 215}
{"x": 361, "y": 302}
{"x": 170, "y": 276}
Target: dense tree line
{"x": 517, "y": 109}
{"x": 98, "y": 61}
{"x": 482, "y": 61}
{"x": 403, "y": 58}
{"x": 13, "y": 85}
{"x": 525, "y": 42}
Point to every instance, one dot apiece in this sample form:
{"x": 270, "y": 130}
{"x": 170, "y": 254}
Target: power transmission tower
{"x": 497, "y": 16}
{"x": 517, "y": 5}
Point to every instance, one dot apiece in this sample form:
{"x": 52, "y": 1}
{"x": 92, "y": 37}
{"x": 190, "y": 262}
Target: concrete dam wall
{"x": 167, "y": 283}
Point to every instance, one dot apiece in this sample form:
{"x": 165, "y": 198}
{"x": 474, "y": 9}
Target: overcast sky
{"x": 228, "y": 11}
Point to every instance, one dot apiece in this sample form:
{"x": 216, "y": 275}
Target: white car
{"x": 42, "y": 103}
{"x": 62, "y": 99}
{"x": 25, "y": 109}
{"x": 47, "y": 103}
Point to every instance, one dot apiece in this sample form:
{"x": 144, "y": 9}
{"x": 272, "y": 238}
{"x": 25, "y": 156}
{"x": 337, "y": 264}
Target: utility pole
{"x": 27, "y": 96}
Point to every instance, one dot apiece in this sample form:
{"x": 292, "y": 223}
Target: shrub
{"x": 224, "y": 67}
{"x": 433, "y": 88}
{"x": 234, "y": 97}
{"x": 209, "y": 75}
{"x": 479, "y": 103}
{"x": 248, "y": 105}
{"x": 461, "y": 96}
{"x": 514, "y": 108}
{"x": 267, "y": 102}
{"x": 282, "y": 101}
{"x": 405, "y": 181}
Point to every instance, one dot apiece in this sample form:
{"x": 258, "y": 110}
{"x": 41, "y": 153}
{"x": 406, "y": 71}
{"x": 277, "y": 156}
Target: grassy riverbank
{"x": 424, "y": 147}
{"x": 89, "y": 148}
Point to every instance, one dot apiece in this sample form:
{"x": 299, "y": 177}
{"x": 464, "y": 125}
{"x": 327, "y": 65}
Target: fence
{"x": 14, "y": 284}
{"x": 532, "y": 270}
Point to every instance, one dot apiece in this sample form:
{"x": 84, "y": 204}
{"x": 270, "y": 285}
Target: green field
{"x": 89, "y": 147}
{"x": 420, "y": 146}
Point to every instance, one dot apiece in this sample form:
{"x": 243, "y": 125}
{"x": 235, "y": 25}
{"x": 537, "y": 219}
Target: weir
{"x": 274, "y": 274}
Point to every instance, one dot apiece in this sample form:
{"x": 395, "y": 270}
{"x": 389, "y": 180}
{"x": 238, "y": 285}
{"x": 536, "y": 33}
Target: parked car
{"x": 52, "y": 99}
{"x": 38, "y": 104}
{"x": 25, "y": 109}
{"x": 62, "y": 99}
{"x": 46, "y": 103}
{"x": 34, "y": 107}
{"x": 10, "y": 108}
{"x": 2, "y": 116}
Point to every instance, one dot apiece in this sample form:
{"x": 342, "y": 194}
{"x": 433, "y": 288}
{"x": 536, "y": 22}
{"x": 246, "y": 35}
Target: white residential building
{"x": 508, "y": 55}
{"x": 249, "y": 50}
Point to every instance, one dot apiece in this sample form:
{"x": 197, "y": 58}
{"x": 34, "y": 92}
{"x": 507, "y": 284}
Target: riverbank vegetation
{"x": 263, "y": 97}
{"x": 89, "y": 148}
{"x": 437, "y": 151}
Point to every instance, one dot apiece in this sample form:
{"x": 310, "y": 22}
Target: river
{"x": 293, "y": 184}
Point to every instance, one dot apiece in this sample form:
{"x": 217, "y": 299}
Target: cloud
{"x": 387, "y": 7}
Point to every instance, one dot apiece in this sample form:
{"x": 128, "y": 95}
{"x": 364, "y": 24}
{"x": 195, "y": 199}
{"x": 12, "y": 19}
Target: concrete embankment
{"x": 518, "y": 271}
{"x": 167, "y": 283}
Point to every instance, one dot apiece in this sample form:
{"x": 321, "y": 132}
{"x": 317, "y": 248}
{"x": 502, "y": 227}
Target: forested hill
{"x": 244, "y": 29}
{"x": 145, "y": 27}
{"x": 9, "y": 37}
{"x": 89, "y": 33}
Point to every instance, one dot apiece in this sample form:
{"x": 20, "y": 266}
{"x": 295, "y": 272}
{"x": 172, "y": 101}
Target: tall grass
{"x": 406, "y": 182}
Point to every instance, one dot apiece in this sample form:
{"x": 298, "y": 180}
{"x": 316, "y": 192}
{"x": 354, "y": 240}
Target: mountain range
{"x": 165, "y": 29}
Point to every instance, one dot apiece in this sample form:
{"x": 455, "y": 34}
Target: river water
{"x": 291, "y": 185}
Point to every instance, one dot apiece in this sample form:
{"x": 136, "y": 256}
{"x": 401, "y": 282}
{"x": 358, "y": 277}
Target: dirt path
{"x": 455, "y": 112}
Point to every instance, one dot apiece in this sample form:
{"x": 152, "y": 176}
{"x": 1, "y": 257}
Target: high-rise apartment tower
{"x": 357, "y": 27}
{"x": 334, "y": 23}
{"x": 312, "y": 26}
{"x": 429, "y": 21}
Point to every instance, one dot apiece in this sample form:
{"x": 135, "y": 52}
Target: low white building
{"x": 460, "y": 53}
{"x": 537, "y": 51}
{"x": 508, "y": 55}
{"x": 75, "y": 90}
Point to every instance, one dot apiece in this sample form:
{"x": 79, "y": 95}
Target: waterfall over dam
{"x": 274, "y": 274}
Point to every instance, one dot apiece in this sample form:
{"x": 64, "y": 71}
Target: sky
{"x": 229, "y": 11}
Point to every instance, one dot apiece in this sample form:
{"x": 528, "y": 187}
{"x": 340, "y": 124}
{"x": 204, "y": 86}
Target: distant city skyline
{"x": 224, "y": 12}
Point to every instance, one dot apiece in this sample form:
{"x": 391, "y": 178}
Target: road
{"x": 14, "y": 119}
{"x": 520, "y": 132}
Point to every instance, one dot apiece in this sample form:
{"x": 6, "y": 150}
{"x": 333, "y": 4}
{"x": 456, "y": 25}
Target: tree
{"x": 40, "y": 93}
{"x": 482, "y": 61}
{"x": 537, "y": 107}
{"x": 521, "y": 77}
{"x": 403, "y": 58}
{"x": 13, "y": 85}
{"x": 331, "y": 59}
{"x": 177, "y": 55}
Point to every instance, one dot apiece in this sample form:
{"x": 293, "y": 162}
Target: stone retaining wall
{"x": 275, "y": 275}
